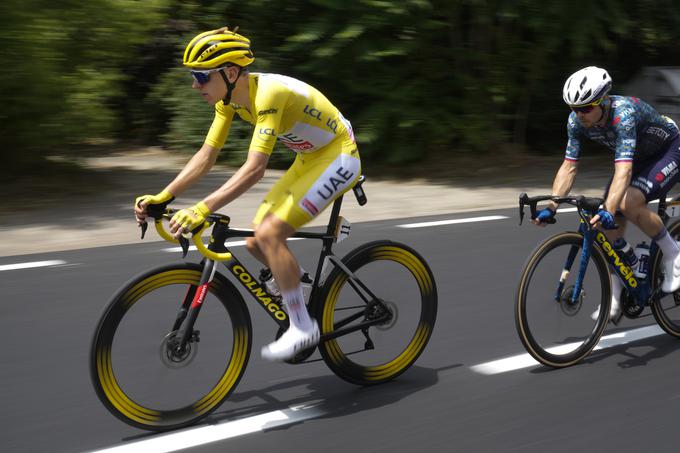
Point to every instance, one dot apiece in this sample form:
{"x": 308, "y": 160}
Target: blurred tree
{"x": 64, "y": 64}
{"x": 418, "y": 78}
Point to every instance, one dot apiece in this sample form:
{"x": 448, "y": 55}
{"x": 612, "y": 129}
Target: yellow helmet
{"x": 216, "y": 48}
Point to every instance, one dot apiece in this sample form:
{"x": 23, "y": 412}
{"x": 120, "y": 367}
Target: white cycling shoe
{"x": 291, "y": 342}
{"x": 671, "y": 280}
{"x": 614, "y": 312}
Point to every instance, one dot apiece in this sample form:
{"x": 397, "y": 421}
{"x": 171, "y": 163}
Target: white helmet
{"x": 586, "y": 86}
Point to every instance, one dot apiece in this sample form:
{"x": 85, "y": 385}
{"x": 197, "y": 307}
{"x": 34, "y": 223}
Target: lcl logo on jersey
{"x": 311, "y": 111}
{"x": 267, "y": 131}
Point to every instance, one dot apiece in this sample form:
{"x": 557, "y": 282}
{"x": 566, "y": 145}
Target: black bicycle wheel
{"x": 556, "y": 329}
{"x": 666, "y": 307}
{"x": 406, "y": 304}
{"x": 134, "y": 372}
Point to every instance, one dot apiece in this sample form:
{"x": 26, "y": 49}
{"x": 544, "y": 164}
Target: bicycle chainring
{"x": 630, "y": 307}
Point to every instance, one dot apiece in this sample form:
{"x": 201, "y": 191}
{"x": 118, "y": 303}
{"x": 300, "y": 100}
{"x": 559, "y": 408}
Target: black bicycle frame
{"x": 193, "y": 301}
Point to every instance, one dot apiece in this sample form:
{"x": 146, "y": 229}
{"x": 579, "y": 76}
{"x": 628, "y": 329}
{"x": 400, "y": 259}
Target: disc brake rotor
{"x": 171, "y": 356}
{"x": 390, "y": 307}
{"x": 568, "y": 307}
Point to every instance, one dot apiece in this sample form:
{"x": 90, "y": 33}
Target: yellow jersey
{"x": 282, "y": 107}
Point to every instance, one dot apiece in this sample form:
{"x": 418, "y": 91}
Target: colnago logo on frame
{"x": 256, "y": 290}
{"x": 337, "y": 177}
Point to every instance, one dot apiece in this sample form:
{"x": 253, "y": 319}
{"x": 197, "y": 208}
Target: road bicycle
{"x": 554, "y": 303}
{"x": 376, "y": 309}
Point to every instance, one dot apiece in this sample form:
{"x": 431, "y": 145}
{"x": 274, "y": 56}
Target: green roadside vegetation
{"x": 422, "y": 81}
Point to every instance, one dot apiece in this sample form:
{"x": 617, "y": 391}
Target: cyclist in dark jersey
{"x": 646, "y": 149}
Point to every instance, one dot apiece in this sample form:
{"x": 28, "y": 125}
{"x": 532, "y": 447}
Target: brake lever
{"x": 144, "y": 226}
{"x": 184, "y": 243}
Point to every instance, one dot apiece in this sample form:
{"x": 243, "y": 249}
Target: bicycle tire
{"x": 102, "y": 369}
{"x": 421, "y": 286}
{"x": 528, "y": 338}
{"x": 662, "y": 309}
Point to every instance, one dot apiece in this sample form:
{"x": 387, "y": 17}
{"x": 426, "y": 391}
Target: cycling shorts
{"x": 655, "y": 177}
{"x": 312, "y": 183}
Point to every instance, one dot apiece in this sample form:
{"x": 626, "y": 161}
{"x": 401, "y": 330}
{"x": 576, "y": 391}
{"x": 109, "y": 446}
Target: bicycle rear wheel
{"x": 666, "y": 307}
{"x": 405, "y": 305}
{"x": 556, "y": 329}
{"x": 135, "y": 369}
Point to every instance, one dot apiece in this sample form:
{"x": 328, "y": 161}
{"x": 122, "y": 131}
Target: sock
{"x": 617, "y": 286}
{"x": 294, "y": 302}
{"x": 667, "y": 244}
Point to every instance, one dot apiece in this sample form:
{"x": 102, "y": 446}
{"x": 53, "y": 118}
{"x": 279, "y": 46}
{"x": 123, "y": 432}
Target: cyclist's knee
{"x": 633, "y": 201}
{"x": 269, "y": 236}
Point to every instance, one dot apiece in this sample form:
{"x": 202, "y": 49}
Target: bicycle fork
{"x": 191, "y": 306}
{"x": 588, "y": 236}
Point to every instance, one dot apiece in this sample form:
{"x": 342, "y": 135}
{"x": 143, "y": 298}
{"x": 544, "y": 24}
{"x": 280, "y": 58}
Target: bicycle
{"x": 354, "y": 317}
{"x": 551, "y": 317}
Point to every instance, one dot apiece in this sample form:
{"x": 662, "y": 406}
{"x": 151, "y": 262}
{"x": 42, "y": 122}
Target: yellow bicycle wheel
{"x": 134, "y": 365}
{"x": 392, "y": 293}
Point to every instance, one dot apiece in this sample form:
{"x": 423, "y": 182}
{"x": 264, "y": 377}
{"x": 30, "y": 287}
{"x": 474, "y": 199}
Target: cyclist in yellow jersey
{"x": 301, "y": 118}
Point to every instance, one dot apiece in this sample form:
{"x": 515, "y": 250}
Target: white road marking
{"x": 11, "y": 267}
{"x": 193, "y": 437}
{"x": 526, "y": 361}
{"x": 453, "y": 221}
{"x": 228, "y": 244}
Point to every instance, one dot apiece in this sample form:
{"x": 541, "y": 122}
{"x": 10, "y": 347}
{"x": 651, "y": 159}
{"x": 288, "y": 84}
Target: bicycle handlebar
{"x": 159, "y": 212}
{"x": 588, "y": 204}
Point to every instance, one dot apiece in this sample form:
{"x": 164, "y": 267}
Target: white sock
{"x": 294, "y": 302}
{"x": 667, "y": 244}
{"x": 617, "y": 286}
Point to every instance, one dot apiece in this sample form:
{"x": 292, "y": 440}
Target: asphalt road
{"x": 622, "y": 398}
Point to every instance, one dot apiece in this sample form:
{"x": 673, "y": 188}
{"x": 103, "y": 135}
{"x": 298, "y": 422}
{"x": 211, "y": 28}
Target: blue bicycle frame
{"x": 640, "y": 289}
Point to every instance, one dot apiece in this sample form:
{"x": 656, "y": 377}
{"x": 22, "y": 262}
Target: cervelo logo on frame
{"x": 625, "y": 271}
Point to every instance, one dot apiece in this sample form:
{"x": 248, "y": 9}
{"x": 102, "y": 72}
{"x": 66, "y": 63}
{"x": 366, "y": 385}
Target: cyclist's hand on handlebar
{"x": 142, "y": 202}
{"x": 605, "y": 218}
{"x": 189, "y": 219}
{"x": 543, "y": 217}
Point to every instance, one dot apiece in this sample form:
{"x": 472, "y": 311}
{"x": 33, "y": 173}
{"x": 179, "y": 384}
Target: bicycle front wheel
{"x": 135, "y": 366}
{"x": 666, "y": 307}
{"x": 394, "y": 296}
{"x": 555, "y": 322}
